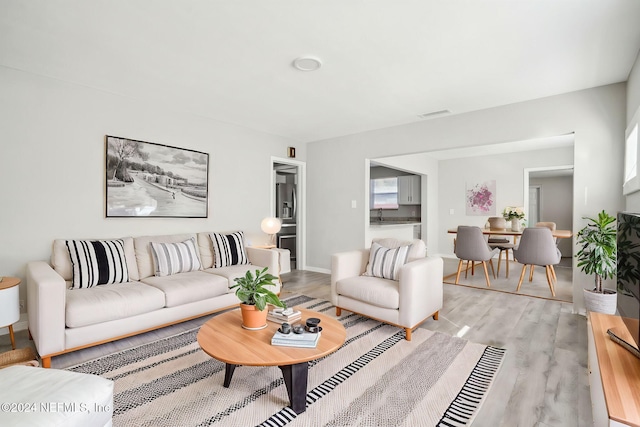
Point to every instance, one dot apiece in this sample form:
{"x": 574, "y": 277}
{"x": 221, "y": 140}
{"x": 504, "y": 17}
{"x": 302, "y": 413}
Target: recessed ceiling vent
{"x": 434, "y": 114}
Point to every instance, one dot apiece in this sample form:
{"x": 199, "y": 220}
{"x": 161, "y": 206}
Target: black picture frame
{"x": 145, "y": 179}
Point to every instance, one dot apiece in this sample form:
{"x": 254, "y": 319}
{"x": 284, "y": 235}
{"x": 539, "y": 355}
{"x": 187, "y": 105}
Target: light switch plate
{"x": 354, "y": 204}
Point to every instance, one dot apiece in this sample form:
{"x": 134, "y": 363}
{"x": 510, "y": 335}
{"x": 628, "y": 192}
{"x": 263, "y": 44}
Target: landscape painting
{"x": 145, "y": 179}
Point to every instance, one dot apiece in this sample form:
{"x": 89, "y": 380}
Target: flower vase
{"x": 515, "y": 224}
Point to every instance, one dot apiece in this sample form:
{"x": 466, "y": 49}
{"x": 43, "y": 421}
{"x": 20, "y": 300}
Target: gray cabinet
{"x": 409, "y": 190}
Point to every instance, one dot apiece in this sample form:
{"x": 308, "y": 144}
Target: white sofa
{"x": 62, "y": 320}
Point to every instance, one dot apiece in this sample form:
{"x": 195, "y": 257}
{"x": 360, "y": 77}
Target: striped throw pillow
{"x": 97, "y": 262}
{"x": 386, "y": 262}
{"x": 229, "y": 249}
{"x": 173, "y": 258}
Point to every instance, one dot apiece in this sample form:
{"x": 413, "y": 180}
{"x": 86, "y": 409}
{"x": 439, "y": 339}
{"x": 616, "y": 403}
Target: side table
{"x": 9, "y": 305}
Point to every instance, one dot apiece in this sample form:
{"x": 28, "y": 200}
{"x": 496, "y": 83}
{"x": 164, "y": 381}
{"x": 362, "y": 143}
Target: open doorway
{"x": 549, "y": 198}
{"x": 288, "y": 203}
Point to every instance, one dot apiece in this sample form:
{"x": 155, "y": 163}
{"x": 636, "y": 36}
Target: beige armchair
{"x": 406, "y": 302}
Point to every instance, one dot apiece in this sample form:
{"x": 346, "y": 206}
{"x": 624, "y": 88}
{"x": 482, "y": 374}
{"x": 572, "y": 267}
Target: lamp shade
{"x": 270, "y": 225}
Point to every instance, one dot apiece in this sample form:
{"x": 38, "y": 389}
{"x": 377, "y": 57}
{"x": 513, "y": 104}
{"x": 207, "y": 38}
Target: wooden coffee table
{"x": 224, "y": 339}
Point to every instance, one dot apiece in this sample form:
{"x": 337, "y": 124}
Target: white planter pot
{"x": 605, "y": 303}
{"x": 515, "y": 224}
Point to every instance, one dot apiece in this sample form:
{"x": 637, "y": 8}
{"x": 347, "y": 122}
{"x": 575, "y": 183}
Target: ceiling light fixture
{"x": 307, "y": 63}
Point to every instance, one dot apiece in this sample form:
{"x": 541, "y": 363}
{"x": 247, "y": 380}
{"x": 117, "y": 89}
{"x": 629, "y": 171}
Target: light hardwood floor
{"x": 543, "y": 381}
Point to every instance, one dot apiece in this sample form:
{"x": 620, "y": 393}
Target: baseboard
{"x": 20, "y": 325}
{"x": 318, "y": 270}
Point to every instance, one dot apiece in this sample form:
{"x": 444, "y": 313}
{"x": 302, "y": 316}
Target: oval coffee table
{"x": 224, "y": 339}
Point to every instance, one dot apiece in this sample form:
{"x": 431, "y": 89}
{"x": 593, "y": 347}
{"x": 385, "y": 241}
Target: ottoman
{"x": 32, "y": 396}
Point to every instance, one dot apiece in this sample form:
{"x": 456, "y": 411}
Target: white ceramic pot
{"x": 515, "y": 224}
{"x": 605, "y": 303}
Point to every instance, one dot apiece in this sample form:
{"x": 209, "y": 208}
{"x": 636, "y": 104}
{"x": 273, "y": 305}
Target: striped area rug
{"x": 376, "y": 378}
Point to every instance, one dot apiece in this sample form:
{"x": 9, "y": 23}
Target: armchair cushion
{"x": 386, "y": 262}
{"x": 371, "y": 290}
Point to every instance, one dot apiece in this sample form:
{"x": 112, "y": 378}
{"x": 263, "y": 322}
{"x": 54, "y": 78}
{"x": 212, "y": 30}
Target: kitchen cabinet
{"x": 409, "y": 190}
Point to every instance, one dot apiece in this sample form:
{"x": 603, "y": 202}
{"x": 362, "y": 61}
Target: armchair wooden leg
{"x": 486, "y": 273}
{"x": 338, "y": 311}
{"x": 459, "y": 269}
{"x": 435, "y": 315}
{"x": 407, "y": 334}
{"x": 524, "y": 270}
{"x": 550, "y": 279}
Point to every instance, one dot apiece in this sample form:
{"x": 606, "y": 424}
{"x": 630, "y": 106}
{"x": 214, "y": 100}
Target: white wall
{"x": 555, "y": 206}
{"x": 597, "y": 116}
{"x": 52, "y": 166}
{"x": 633, "y": 104}
{"x": 506, "y": 169}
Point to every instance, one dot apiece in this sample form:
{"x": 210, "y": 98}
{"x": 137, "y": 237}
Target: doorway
{"x": 288, "y": 203}
{"x": 549, "y": 198}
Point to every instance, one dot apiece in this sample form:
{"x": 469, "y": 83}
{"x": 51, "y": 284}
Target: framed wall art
{"x": 481, "y": 198}
{"x": 144, "y": 179}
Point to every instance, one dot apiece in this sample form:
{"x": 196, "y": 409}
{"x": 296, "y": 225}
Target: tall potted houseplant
{"x": 254, "y": 297}
{"x": 597, "y": 256}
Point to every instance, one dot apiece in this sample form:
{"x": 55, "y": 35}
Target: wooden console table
{"x": 614, "y": 374}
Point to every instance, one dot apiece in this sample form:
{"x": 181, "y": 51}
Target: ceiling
{"x": 383, "y": 63}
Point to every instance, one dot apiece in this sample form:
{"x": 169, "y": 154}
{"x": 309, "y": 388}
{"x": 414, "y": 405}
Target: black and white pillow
{"x": 173, "y": 258}
{"x": 386, "y": 262}
{"x": 229, "y": 249}
{"x": 97, "y": 262}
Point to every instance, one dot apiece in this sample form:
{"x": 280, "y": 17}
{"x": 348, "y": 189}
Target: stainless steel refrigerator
{"x": 286, "y": 210}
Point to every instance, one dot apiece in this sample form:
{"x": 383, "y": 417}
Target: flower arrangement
{"x": 513, "y": 212}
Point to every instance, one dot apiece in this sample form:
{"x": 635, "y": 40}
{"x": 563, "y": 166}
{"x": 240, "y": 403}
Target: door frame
{"x": 301, "y": 194}
{"x": 527, "y": 172}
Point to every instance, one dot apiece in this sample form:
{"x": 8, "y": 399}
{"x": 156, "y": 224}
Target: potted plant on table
{"x": 597, "y": 256}
{"x": 515, "y": 215}
{"x": 255, "y": 297}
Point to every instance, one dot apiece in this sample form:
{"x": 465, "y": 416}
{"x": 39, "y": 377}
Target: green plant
{"x": 251, "y": 290}
{"x": 597, "y": 254}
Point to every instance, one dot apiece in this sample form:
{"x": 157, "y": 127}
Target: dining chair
{"x": 538, "y": 248}
{"x": 471, "y": 246}
{"x": 551, "y": 226}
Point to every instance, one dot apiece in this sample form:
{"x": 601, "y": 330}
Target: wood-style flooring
{"x": 543, "y": 381}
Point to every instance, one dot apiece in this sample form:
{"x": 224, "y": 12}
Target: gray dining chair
{"x": 537, "y": 247}
{"x": 471, "y": 246}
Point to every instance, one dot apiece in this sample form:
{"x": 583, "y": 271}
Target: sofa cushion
{"x": 97, "y": 262}
{"x": 143, "y": 253}
{"x": 229, "y": 249}
{"x": 183, "y": 288}
{"x": 372, "y": 290}
{"x": 386, "y": 262}
{"x": 233, "y": 271}
{"x": 172, "y": 258}
{"x": 61, "y": 260}
{"x": 110, "y": 302}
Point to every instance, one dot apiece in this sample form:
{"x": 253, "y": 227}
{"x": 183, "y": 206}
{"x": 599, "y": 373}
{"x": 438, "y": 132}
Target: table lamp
{"x": 271, "y": 226}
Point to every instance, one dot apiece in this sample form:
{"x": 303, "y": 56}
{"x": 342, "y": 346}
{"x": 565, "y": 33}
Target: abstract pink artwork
{"x": 481, "y": 198}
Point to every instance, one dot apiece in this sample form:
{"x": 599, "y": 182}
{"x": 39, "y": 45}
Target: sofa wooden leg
{"x": 435, "y": 315}
{"x": 338, "y": 311}
{"x": 46, "y": 362}
{"x": 407, "y": 334}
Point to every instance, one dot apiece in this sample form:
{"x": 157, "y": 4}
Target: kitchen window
{"x": 384, "y": 193}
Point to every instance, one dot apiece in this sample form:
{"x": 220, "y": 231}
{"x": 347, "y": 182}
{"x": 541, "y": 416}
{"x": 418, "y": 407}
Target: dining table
{"x": 559, "y": 234}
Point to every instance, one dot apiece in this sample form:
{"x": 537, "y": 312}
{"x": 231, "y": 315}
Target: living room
{"x": 58, "y": 104}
